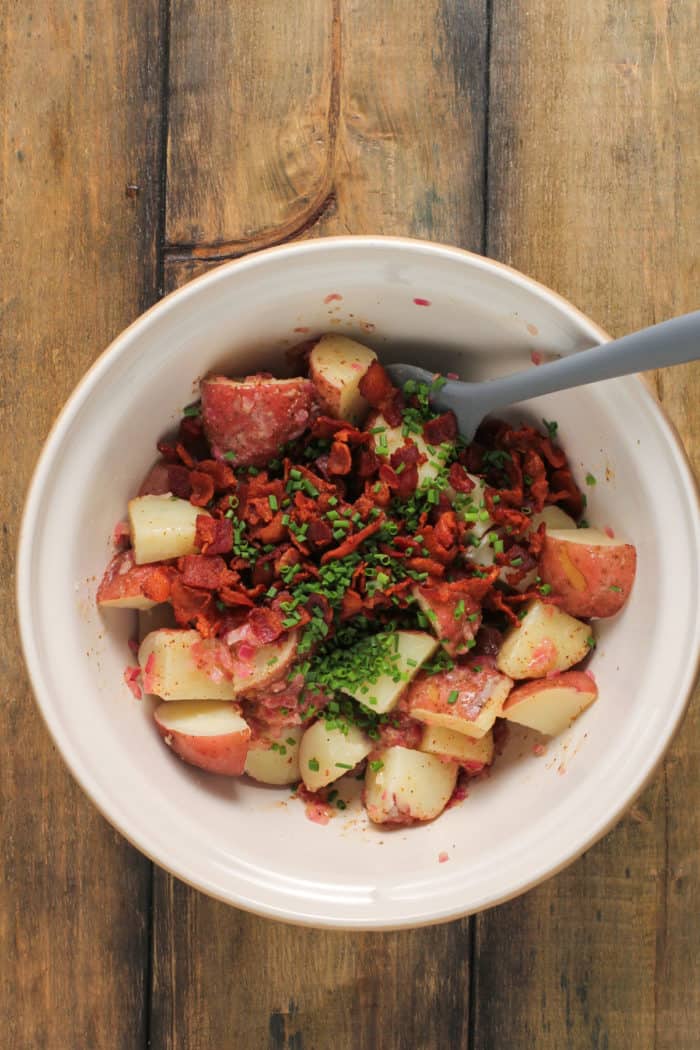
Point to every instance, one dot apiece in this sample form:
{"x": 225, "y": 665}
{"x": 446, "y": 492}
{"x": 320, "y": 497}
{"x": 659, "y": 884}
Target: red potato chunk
{"x": 336, "y": 366}
{"x": 466, "y": 699}
{"x": 550, "y": 705}
{"x": 126, "y": 585}
{"x": 209, "y": 734}
{"x": 545, "y": 640}
{"x": 254, "y": 417}
{"x": 590, "y": 571}
{"x": 403, "y": 786}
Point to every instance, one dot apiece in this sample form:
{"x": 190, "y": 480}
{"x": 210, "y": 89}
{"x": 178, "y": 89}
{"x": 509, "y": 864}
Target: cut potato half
{"x": 170, "y": 671}
{"x": 122, "y": 586}
{"x": 403, "y": 786}
{"x": 162, "y": 527}
{"x": 467, "y": 699}
{"x": 554, "y": 518}
{"x": 327, "y": 754}
{"x": 546, "y": 640}
{"x": 551, "y": 705}
{"x": 336, "y": 366}
{"x": 590, "y": 571}
{"x": 275, "y": 760}
{"x": 403, "y": 652}
{"x": 208, "y": 734}
{"x": 470, "y": 752}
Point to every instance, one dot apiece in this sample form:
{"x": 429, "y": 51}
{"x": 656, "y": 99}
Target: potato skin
{"x": 224, "y": 754}
{"x": 254, "y": 417}
{"x": 592, "y": 580}
{"x": 123, "y": 583}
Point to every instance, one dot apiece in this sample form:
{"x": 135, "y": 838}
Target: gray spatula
{"x": 670, "y": 343}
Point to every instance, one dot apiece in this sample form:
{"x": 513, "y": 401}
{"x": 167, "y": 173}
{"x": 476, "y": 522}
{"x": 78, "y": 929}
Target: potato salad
{"x": 332, "y": 583}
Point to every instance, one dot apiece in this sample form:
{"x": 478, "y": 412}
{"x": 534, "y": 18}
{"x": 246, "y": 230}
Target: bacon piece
{"x": 351, "y": 605}
{"x": 202, "y": 489}
{"x": 376, "y": 388}
{"x": 367, "y": 463}
{"x": 320, "y": 533}
{"x": 213, "y": 535}
{"x": 429, "y": 565}
{"x": 274, "y": 531}
{"x": 564, "y": 490}
{"x": 442, "y": 428}
{"x": 534, "y": 468}
{"x": 230, "y": 596}
{"x": 459, "y": 479}
{"x": 184, "y": 455}
{"x": 340, "y": 459}
{"x": 206, "y": 571}
{"x": 189, "y": 603}
{"x": 264, "y": 625}
{"x": 325, "y": 428}
{"x": 353, "y": 542}
{"x": 221, "y": 474}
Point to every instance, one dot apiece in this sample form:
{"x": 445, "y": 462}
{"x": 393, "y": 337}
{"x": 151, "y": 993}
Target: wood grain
{"x": 253, "y": 115}
{"x": 80, "y": 117}
{"x": 223, "y": 978}
{"x": 593, "y": 172}
{"x": 408, "y": 153}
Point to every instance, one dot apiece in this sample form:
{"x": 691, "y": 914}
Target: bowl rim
{"x": 62, "y": 423}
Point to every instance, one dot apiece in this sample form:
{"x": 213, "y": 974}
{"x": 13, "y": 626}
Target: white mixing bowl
{"x": 252, "y": 846}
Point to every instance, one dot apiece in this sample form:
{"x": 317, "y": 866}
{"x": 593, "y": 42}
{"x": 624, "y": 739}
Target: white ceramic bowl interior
{"x": 250, "y": 845}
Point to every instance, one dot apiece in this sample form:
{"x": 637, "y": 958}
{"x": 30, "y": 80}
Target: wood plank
{"x": 407, "y": 159}
{"x": 593, "y": 176}
{"x": 79, "y": 84}
{"x": 227, "y": 979}
{"x": 253, "y": 115}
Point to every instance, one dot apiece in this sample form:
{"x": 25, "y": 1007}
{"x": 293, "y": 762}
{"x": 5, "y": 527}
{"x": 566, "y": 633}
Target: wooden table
{"x": 143, "y": 142}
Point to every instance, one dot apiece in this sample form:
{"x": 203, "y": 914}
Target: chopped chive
{"x": 376, "y": 765}
{"x": 546, "y": 588}
{"x": 590, "y": 479}
{"x": 459, "y": 609}
{"x": 313, "y": 765}
{"x": 272, "y": 500}
{"x": 552, "y": 428}
{"x": 516, "y": 562}
{"x": 614, "y": 587}
{"x": 343, "y": 765}
{"x": 453, "y": 697}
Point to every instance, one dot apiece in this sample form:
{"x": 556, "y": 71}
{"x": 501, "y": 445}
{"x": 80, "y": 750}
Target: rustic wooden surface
{"x": 145, "y": 141}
